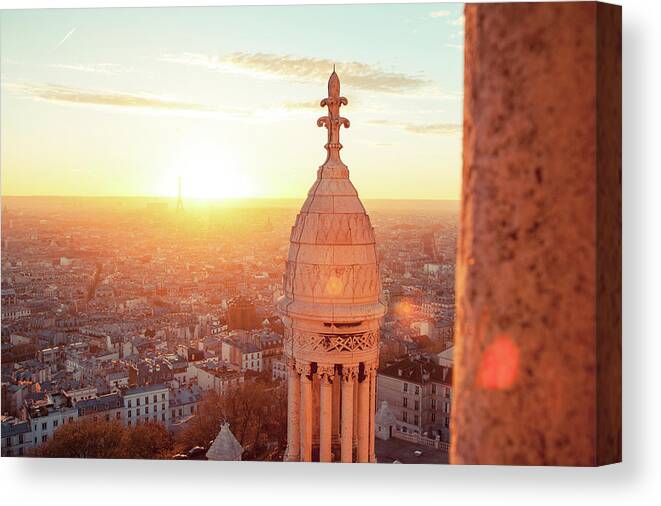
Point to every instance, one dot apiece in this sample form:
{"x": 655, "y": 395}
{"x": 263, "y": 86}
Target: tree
{"x": 92, "y": 439}
{"x": 256, "y": 412}
{"x": 149, "y": 440}
{"x": 86, "y": 439}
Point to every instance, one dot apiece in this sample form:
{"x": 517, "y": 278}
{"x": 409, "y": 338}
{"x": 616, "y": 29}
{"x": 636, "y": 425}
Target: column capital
{"x": 326, "y": 372}
{"x": 303, "y": 368}
{"x": 349, "y": 373}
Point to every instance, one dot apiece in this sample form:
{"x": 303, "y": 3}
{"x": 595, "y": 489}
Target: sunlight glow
{"x": 212, "y": 172}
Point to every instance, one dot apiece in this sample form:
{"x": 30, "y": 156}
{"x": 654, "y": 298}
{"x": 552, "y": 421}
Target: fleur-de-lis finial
{"x": 333, "y": 121}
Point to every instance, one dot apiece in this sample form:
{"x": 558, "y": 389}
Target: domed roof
{"x": 384, "y": 416}
{"x": 225, "y": 446}
{"x": 332, "y": 269}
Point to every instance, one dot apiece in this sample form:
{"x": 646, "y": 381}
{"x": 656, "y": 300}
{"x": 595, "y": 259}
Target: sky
{"x": 124, "y": 101}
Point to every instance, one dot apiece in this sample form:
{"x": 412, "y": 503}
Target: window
{"x": 129, "y": 403}
{"x": 180, "y": 412}
{"x": 137, "y": 412}
{"x": 433, "y": 388}
{"x": 163, "y": 417}
{"x": 146, "y": 399}
{"x": 130, "y": 414}
{"x": 137, "y": 401}
{"x": 447, "y": 422}
{"x": 433, "y": 404}
{"x": 405, "y": 417}
{"x": 55, "y": 422}
{"x": 44, "y": 438}
{"x": 155, "y": 398}
{"x": 447, "y": 393}
{"x": 44, "y": 426}
{"x": 417, "y": 405}
{"x": 416, "y": 420}
{"x": 406, "y": 387}
{"x": 146, "y": 409}
{"x": 405, "y": 402}
{"x": 417, "y": 390}
{"x": 433, "y": 417}
{"x": 446, "y": 407}
{"x": 173, "y": 415}
{"x": 162, "y": 397}
{"x": 118, "y": 415}
{"x": 163, "y": 407}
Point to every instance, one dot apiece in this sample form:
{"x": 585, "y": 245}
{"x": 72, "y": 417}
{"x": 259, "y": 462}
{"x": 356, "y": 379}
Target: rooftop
{"x": 418, "y": 371}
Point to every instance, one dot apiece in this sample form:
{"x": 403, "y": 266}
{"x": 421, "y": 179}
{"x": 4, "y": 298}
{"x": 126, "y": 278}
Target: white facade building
{"x": 146, "y": 403}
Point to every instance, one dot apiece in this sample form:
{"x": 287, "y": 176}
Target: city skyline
{"x": 125, "y": 101}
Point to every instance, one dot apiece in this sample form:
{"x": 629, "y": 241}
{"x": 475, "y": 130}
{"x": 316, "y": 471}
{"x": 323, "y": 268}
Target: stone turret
{"x": 331, "y": 310}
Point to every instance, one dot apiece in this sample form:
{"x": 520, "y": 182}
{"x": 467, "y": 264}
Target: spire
{"x": 333, "y": 121}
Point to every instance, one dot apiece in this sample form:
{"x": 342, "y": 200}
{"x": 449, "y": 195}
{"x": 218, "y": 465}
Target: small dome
{"x": 332, "y": 269}
{"x": 225, "y": 446}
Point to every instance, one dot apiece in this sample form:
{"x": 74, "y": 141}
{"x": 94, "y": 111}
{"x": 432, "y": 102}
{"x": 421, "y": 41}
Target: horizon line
{"x": 175, "y": 197}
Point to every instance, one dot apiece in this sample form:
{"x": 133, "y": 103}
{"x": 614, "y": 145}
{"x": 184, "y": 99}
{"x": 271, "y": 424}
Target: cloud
{"x": 65, "y": 94}
{"x": 99, "y": 68}
{"x": 316, "y": 105}
{"x": 439, "y": 14}
{"x": 457, "y": 22}
{"x": 308, "y": 104}
{"x": 422, "y": 128}
{"x": 359, "y": 75}
{"x": 455, "y": 46}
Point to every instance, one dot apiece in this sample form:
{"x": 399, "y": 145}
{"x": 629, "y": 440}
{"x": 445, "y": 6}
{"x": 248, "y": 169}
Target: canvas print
{"x": 246, "y": 233}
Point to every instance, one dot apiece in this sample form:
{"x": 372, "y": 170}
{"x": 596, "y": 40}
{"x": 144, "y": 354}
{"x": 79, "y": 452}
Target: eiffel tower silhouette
{"x": 180, "y": 202}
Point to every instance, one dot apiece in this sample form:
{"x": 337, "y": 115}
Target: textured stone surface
{"x": 527, "y": 305}
{"x": 609, "y": 234}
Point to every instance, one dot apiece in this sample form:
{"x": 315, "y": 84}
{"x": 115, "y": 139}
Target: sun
{"x": 212, "y": 172}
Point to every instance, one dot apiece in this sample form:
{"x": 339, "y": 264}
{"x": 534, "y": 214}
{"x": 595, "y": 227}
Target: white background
{"x": 636, "y": 481}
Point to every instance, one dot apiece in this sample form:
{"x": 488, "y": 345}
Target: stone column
{"x": 372, "y": 382}
{"x": 337, "y": 397}
{"x": 305, "y": 371}
{"x": 293, "y": 412}
{"x": 537, "y": 378}
{"x": 325, "y": 373}
{"x": 364, "y": 404}
{"x": 348, "y": 377}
